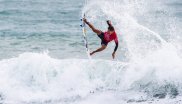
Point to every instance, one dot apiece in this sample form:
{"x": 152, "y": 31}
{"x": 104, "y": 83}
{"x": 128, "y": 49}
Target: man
{"x": 105, "y": 37}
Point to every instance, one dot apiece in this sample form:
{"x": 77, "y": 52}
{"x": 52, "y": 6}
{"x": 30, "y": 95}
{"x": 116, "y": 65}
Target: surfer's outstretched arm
{"x": 109, "y": 23}
{"x": 97, "y": 31}
{"x": 99, "y": 49}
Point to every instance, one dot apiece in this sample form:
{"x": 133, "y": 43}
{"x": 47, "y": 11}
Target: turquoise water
{"x": 43, "y": 59}
{"x": 37, "y": 26}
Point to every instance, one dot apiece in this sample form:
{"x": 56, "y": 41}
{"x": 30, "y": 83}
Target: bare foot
{"x": 91, "y": 53}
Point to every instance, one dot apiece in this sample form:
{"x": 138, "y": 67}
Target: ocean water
{"x": 43, "y": 59}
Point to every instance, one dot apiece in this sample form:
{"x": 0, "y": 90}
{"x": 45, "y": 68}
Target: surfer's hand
{"x": 113, "y": 55}
{"x": 108, "y": 22}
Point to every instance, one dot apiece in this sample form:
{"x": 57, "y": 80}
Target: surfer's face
{"x": 110, "y": 32}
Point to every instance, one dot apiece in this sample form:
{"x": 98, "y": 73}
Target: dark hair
{"x": 111, "y": 28}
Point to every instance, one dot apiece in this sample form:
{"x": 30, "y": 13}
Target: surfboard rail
{"x": 83, "y": 25}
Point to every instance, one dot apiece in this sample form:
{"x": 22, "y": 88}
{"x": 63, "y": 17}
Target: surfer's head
{"x": 110, "y": 29}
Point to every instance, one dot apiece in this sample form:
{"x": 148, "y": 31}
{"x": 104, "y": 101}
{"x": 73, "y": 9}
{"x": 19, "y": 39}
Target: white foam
{"x": 36, "y": 77}
{"x": 144, "y": 30}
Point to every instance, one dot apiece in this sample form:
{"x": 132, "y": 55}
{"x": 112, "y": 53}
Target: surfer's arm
{"x": 109, "y": 23}
{"x": 97, "y": 31}
{"x": 99, "y": 49}
{"x": 116, "y": 42}
{"x": 115, "y": 49}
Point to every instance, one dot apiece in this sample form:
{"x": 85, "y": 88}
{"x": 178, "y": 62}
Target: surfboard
{"x": 83, "y": 25}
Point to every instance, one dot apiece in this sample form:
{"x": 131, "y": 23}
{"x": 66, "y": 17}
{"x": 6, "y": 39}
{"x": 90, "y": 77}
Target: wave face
{"x": 150, "y": 41}
{"x": 37, "y": 78}
{"x": 144, "y": 27}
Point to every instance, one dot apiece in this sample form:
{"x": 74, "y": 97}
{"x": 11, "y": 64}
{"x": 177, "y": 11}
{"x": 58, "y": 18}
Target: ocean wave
{"x": 37, "y": 77}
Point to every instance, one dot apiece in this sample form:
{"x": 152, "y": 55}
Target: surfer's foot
{"x": 91, "y": 53}
{"x": 85, "y": 20}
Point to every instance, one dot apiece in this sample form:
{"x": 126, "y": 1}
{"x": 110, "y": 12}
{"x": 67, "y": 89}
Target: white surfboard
{"x": 83, "y": 25}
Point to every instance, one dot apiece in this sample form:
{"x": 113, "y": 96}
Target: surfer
{"x": 105, "y": 37}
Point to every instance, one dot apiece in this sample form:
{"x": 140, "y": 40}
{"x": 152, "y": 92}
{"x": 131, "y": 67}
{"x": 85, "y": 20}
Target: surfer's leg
{"x": 99, "y": 49}
{"x": 97, "y": 31}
